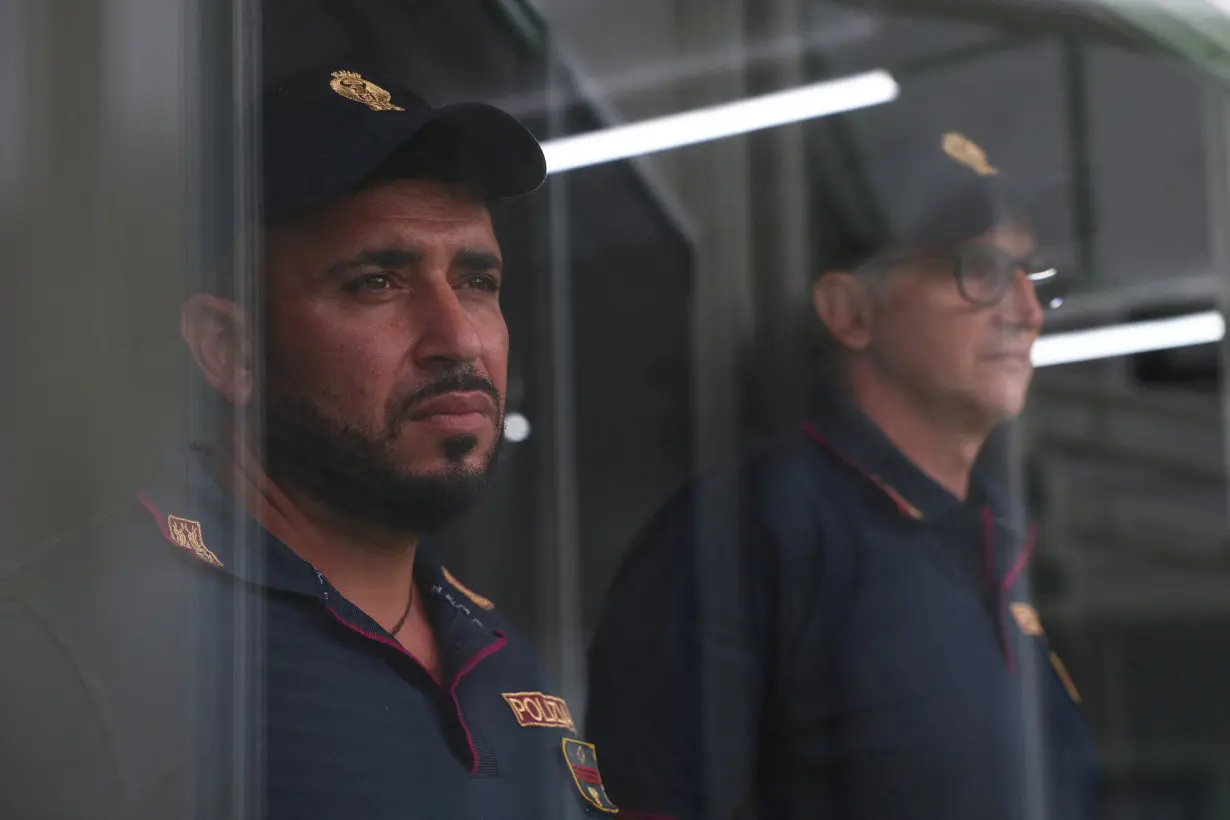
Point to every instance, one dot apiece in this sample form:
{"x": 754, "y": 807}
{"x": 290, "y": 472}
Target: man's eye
{"x": 370, "y": 284}
{"x": 483, "y": 282}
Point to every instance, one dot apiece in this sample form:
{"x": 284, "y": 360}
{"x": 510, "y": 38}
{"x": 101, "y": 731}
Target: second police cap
{"x": 950, "y": 189}
{"x": 327, "y": 129}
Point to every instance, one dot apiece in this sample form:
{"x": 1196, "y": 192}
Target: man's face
{"x": 387, "y": 353}
{"x": 973, "y": 360}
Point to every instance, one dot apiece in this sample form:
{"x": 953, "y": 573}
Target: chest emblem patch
{"x": 187, "y": 534}
{"x": 1026, "y": 618}
{"x": 582, "y": 760}
{"x": 537, "y": 709}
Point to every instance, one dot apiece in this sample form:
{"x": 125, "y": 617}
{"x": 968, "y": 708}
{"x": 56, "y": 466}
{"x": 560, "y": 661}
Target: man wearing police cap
{"x": 855, "y": 637}
{"x": 262, "y": 632}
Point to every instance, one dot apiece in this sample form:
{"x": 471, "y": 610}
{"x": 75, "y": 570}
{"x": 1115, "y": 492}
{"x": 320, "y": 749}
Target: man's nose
{"x": 447, "y": 330}
{"x": 1021, "y": 306}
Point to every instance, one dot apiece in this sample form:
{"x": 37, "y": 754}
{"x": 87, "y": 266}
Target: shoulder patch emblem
{"x": 1026, "y": 618}
{"x": 480, "y": 601}
{"x": 537, "y": 709}
{"x": 187, "y": 534}
{"x": 582, "y": 760}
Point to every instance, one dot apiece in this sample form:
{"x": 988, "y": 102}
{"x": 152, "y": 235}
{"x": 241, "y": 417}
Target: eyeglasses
{"x": 985, "y": 273}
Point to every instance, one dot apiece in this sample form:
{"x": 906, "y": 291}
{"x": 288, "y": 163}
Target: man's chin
{"x": 1004, "y": 405}
{"x": 402, "y": 480}
{"x": 444, "y": 469}
{"x": 443, "y": 455}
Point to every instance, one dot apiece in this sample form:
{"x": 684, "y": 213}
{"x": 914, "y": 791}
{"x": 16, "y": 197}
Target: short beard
{"x": 356, "y": 474}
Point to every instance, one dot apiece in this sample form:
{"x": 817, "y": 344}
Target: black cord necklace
{"x": 402, "y": 620}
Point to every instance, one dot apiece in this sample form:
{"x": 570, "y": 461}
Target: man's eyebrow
{"x": 385, "y": 258}
{"x": 477, "y": 260}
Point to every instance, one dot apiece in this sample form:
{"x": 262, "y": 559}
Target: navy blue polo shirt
{"x": 182, "y": 662}
{"x": 824, "y": 631}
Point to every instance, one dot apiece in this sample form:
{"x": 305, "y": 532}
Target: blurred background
{"x": 658, "y": 303}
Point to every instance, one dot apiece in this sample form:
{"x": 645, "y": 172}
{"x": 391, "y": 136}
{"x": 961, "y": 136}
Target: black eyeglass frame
{"x": 1049, "y": 281}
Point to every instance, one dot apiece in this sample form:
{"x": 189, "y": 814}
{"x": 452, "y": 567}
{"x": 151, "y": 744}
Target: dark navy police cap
{"x": 328, "y": 129}
{"x": 952, "y": 192}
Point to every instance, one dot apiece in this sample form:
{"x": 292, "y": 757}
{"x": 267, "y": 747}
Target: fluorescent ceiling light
{"x": 1126, "y": 339}
{"x": 689, "y": 127}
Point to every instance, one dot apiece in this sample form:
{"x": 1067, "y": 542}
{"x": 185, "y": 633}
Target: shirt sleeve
{"x": 679, "y": 663}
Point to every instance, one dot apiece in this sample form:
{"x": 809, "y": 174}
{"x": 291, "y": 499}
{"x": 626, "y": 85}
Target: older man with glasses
{"x": 862, "y": 644}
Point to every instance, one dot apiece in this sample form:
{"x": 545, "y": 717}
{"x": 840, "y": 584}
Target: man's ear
{"x": 844, "y": 305}
{"x": 217, "y": 335}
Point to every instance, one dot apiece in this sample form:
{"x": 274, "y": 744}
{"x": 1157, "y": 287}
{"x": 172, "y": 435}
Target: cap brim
{"x": 1053, "y": 212}
{"x": 489, "y": 147}
{"x": 1050, "y": 209}
{"x": 502, "y": 155}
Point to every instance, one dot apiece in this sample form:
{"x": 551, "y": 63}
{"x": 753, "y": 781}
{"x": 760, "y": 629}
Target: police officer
{"x": 262, "y": 632}
{"x": 840, "y": 626}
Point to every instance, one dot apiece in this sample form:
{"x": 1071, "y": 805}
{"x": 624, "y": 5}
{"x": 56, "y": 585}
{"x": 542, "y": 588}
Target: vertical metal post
{"x": 248, "y": 683}
{"x": 222, "y": 44}
{"x": 16, "y": 26}
{"x": 1076, "y": 77}
{"x": 1217, "y": 161}
{"x": 561, "y": 558}
{"x": 781, "y": 239}
{"x": 715, "y": 181}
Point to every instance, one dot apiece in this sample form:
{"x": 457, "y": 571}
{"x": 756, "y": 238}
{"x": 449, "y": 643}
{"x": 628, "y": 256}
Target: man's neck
{"x": 937, "y": 440}
{"x": 371, "y": 566}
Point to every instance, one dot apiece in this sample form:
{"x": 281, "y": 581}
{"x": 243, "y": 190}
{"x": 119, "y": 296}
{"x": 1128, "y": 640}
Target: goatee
{"x": 357, "y": 474}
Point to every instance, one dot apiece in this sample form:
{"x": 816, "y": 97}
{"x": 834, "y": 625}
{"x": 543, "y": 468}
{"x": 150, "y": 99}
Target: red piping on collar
{"x": 988, "y": 543}
{"x": 382, "y": 639}
{"x": 488, "y": 650}
{"x": 1014, "y": 572}
{"x": 1027, "y": 551}
{"x": 159, "y": 518}
{"x": 904, "y": 507}
{"x": 1018, "y": 566}
{"x": 988, "y": 546}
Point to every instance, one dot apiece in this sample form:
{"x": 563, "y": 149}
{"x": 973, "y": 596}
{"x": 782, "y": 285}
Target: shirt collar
{"x": 196, "y": 514}
{"x": 846, "y": 433}
{"x": 462, "y": 621}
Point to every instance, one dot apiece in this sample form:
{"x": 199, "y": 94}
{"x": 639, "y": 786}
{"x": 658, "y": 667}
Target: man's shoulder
{"x": 113, "y": 583}
{"x": 105, "y": 555}
{"x": 73, "y": 554}
{"x": 93, "y": 627}
{"x": 783, "y": 476}
{"x": 771, "y": 504}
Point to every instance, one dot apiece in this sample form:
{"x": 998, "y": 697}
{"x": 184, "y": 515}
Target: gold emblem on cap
{"x": 969, "y": 153}
{"x": 187, "y": 534}
{"x": 353, "y": 87}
